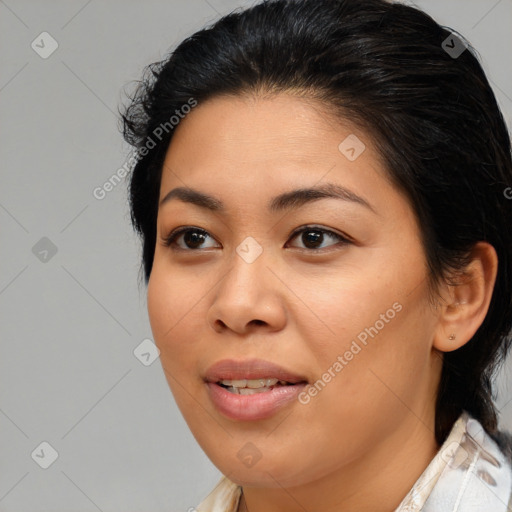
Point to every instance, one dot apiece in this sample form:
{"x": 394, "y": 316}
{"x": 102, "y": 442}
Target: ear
{"x": 465, "y": 302}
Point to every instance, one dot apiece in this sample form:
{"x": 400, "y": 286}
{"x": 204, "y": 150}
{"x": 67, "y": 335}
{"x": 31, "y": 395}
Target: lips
{"x": 251, "y": 369}
{"x": 253, "y": 389}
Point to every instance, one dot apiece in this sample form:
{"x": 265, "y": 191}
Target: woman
{"x": 321, "y": 192}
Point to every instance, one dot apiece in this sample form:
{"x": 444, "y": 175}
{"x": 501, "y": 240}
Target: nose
{"x": 249, "y": 297}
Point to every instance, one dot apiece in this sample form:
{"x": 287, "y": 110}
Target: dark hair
{"x": 432, "y": 114}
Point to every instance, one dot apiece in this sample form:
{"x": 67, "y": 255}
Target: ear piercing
{"x": 451, "y": 337}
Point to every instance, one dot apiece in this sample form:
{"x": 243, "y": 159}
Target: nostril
{"x": 222, "y": 324}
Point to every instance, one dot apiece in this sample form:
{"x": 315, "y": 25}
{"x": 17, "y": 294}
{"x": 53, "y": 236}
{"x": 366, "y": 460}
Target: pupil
{"x": 312, "y": 237}
{"x": 194, "y": 238}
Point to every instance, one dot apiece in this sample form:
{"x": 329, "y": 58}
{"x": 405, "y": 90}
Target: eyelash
{"x": 169, "y": 240}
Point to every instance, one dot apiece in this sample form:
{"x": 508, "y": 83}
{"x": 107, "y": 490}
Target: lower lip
{"x": 252, "y": 407}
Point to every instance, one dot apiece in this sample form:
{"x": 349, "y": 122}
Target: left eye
{"x": 312, "y": 237}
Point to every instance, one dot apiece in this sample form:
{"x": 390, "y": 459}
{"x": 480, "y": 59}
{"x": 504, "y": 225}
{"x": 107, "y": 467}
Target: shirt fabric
{"x": 468, "y": 474}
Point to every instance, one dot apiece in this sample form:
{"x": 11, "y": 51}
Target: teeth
{"x": 256, "y": 383}
{"x": 235, "y": 383}
{"x": 251, "y": 383}
{"x": 251, "y": 386}
{"x": 261, "y": 383}
{"x": 247, "y": 391}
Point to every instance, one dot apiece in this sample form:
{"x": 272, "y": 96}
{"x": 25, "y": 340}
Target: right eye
{"x": 192, "y": 238}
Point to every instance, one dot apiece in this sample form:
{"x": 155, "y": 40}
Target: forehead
{"x": 258, "y": 129}
{"x": 247, "y": 146}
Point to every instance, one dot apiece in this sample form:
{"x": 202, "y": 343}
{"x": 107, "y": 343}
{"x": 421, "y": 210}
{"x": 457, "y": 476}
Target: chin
{"x": 264, "y": 472}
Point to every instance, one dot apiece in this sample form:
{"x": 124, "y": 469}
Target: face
{"x": 327, "y": 295}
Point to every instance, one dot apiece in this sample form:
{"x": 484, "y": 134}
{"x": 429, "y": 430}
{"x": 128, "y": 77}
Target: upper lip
{"x": 231, "y": 369}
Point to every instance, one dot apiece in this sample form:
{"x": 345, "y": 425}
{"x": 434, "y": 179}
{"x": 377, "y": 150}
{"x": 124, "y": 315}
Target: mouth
{"x": 251, "y": 374}
{"x": 252, "y": 386}
{"x": 251, "y": 389}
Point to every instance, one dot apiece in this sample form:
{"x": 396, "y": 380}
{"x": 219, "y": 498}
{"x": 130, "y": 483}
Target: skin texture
{"x": 362, "y": 442}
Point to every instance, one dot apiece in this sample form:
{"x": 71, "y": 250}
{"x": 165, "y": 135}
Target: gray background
{"x": 71, "y": 320}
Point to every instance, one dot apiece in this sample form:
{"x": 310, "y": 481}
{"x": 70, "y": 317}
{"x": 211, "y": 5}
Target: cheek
{"x": 373, "y": 335}
{"x": 380, "y": 362}
{"x": 343, "y": 310}
{"x": 160, "y": 301}
{"x": 172, "y": 308}
{"x": 171, "y": 315}
{"x": 368, "y": 392}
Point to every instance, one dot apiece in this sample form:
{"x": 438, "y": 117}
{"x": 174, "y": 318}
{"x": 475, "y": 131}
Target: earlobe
{"x": 467, "y": 301}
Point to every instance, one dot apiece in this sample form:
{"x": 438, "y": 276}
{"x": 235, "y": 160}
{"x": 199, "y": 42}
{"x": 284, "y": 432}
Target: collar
{"x": 468, "y": 474}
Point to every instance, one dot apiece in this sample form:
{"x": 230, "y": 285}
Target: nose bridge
{"x": 246, "y": 272}
{"x": 247, "y": 293}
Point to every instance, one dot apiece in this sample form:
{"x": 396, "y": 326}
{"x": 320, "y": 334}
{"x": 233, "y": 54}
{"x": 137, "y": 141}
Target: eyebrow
{"x": 286, "y": 201}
